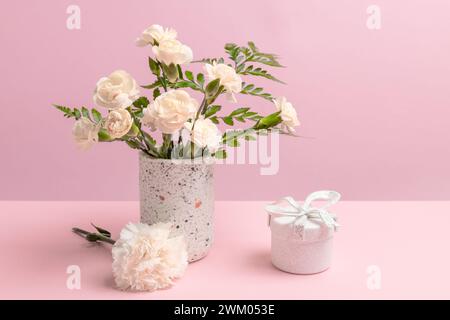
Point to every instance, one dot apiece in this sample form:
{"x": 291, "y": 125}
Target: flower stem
{"x": 80, "y": 232}
{"x": 92, "y": 237}
{"x": 166, "y": 148}
{"x": 105, "y": 239}
{"x": 219, "y": 92}
{"x": 203, "y": 105}
{"x": 164, "y": 78}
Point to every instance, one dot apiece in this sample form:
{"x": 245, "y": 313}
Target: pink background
{"x": 376, "y": 102}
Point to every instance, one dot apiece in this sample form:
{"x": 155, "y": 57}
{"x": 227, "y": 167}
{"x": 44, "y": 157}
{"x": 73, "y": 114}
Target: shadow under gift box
{"x": 180, "y": 192}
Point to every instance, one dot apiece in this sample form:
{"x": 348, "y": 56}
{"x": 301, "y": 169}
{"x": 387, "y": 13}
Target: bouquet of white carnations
{"x": 189, "y": 128}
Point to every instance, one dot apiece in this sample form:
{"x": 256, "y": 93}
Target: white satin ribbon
{"x": 307, "y": 211}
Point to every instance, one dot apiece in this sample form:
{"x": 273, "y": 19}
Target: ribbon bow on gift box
{"x": 306, "y": 211}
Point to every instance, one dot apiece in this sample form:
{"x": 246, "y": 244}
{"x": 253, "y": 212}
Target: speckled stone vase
{"x": 180, "y": 192}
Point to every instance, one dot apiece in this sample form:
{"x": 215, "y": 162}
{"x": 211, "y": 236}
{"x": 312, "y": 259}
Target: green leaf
{"x": 150, "y": 144}
{"x": 250, "y": 114}
{"x": 154, "y": 85}
{"x": 187, "y": 84}
{"x": 252, "y": 46}
{"x": 251, "y": 90}
{"x": 230, "y": 135}
{"x": 63, "y": 108}
{"x": 166, "y": 147}
{"x": 103, "y": 136}
{"x": 209, "y": 60}
{"x": 239, "y": 59}
{"x": 97, "y": 116}
{"x": 212, "y": 88}
{"x": 85, "y": 113}
{"x": 212, "y": 110}
{"x": 102, "y": 231}
{"x": 68, "y": 113}
{"x": 156, "y": 93}
{"x": 171, "y": 72}
{"x": 258, "y": 72}
{"x": 269, "y": 121}
{"x": 243, "y": 55}
{"x": 154, "y": 67}
{"x": 233, "y": 143}
{"x": 180, "y": 72}
{"x": 201, "y": 79}
{"x": 189, "y": 75}
{"x": 230, "y": 46}
{"x": 220, "y": 154}
{"x": 133, "y": 144}
{"x": 214, "y": 120}
{"x": 134, "y": 131}
{"x": 141, "y": 102}
{"x": 240, "y": 68}
{"x": 267, "y": 60}
{"x": 149, "y": 139}
{"x": 239, "y": 111}
{"x": 228, "y": 120}
{"x": 77, "y": 113}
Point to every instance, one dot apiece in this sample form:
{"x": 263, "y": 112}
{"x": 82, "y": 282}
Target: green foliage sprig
{"x": 238, "y": 115}
{"x": 247, "y": 61}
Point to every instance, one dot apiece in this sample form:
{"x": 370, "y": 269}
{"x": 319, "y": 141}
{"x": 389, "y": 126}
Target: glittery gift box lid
{"x": 290, "y": 220}
{"x": 299, "y": 229}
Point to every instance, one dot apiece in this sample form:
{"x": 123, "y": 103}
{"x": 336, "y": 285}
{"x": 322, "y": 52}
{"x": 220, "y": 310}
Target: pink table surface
{"x": 407, "y": 241}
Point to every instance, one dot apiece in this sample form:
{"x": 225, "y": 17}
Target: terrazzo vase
{"x": 180, "y": 192}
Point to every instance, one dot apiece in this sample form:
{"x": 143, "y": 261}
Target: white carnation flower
{"x": 288, "y": 113}
{"x": 229, "y": 79}
{"x": 204, "y": 133}
{"x": 85, "y": 133}
{"x": 172, "y": 51}
{"x": 155, "y": 34}
{"x": 170, "y": 111}
{"x": 118, "y": 123}
{"x": 117, "y": 91}
{"x": 146, "y": 258}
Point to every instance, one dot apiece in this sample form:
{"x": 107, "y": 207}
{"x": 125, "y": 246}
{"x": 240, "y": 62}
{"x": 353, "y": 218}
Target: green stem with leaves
{"x": 247, "y": 60}
{"x": 166, "y": 147}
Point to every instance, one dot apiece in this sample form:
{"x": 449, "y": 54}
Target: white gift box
{"x": 302, "y": 235}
